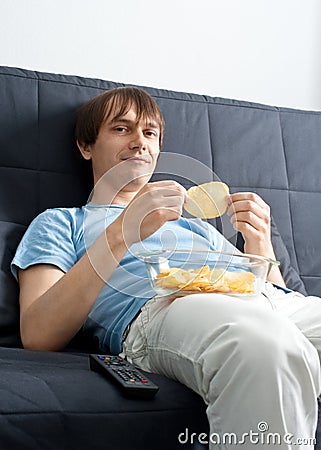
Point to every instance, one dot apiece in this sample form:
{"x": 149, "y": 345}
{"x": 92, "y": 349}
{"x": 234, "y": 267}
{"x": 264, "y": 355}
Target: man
{"x": 78, "y": 269}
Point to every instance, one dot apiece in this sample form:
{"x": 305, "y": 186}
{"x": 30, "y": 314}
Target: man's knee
{"x": 266, "y": 342}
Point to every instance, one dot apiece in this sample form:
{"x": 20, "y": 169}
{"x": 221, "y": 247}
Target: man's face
{"x": 132, "y": 146}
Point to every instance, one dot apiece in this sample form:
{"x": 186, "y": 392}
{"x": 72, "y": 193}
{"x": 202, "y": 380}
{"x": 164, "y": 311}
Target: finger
{"x": 262, "y": 210}
{"x": 250, "y": 218}
{"x": 167, "y": 188}
{"x": 167, "y": 183}
{"x": 248, "y": 196}
{"x": 248, "y": 231}
{"x": 161, "y": 198}
{"x": 247, "y": 205}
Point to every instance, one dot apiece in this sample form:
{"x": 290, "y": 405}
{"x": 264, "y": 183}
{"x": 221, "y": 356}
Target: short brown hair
{"x": 117, "y": 101}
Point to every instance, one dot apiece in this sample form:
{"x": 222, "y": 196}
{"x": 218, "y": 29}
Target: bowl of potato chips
{"x": 183, "y": 272}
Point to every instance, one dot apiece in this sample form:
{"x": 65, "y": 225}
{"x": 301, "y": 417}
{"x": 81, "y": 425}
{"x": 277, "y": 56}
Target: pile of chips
{"x": 206, "y": 280}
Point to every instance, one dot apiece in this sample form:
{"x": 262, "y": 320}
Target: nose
{"x": 138, "y": 141}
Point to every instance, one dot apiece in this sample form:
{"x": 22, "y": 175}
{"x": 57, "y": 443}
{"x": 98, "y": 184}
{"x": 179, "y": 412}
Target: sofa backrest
{"x": 272, "y": 151}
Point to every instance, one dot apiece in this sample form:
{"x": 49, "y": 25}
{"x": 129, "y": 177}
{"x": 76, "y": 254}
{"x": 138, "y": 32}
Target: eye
{"x": 151, "y": 133}
{"x": 120, "y": 129}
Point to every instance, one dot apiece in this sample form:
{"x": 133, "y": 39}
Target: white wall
{"x": 266, "y": 51}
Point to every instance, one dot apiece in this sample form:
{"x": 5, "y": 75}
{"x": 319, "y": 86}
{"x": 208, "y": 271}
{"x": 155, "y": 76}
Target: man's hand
{"x": 155, "y": 204}
{"x": 250, "y": 215}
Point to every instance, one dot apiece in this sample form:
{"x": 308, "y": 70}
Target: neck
{"x": 108, "y": 194}
{"x": 109, "y": 198}
{"x": 118, "y": 186}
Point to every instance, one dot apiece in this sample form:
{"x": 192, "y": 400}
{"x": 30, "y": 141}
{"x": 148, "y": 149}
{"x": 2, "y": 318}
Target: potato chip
{"x": 206, "y": 280}
{"x": 208, "y": 200}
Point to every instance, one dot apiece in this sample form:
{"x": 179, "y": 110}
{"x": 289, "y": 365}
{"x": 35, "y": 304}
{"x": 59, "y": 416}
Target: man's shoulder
{"x": 59, "y": 217}
{"x": 62, "y": 212}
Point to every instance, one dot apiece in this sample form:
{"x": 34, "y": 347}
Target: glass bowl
{"x": 182, "y": 272}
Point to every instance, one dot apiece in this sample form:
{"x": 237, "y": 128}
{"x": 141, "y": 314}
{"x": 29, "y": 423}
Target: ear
{"x": 85, "y": 150}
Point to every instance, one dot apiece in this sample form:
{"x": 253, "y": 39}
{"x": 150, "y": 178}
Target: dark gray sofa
{"x": 52, "y": 400}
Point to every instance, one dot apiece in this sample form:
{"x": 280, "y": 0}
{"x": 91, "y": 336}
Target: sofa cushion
{"x": 53, "y": 400}
{"x": 290, "y": 275}
{"x": 10, "y": 235}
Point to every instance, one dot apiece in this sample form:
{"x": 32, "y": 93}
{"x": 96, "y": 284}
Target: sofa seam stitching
{"x": 288, "y": 194}
{"x": 275, "y": 109}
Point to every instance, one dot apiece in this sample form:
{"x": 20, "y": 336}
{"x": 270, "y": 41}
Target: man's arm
{"x": 54, "y": 304}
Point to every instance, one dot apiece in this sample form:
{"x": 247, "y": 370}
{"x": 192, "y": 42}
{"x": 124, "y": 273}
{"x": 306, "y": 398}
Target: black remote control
{"x": 128, "y": 377}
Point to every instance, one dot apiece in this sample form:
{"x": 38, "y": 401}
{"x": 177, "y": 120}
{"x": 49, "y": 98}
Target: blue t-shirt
{"x": 60, "y": 237}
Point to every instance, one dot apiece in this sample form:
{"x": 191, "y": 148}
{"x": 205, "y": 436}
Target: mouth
{"x": 139, "y": 159}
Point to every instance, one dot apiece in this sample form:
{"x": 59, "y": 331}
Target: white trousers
{"x": 254, "y": 360}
